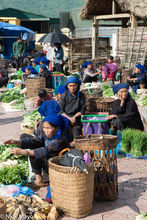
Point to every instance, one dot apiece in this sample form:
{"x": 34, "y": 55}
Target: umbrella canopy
{"x": 55, "y": 38}
{"x": 42, "y": 38}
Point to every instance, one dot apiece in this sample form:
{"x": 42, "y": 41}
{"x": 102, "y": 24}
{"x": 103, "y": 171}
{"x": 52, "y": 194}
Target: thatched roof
{"x": 104, "y": 7}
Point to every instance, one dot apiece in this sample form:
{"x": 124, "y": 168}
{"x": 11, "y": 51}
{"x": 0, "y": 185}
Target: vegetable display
{"x": 20, "y": 104}
{"x": 10, "y": 95}
{"x": 134, "y": 142}
{"x": 26, "y": 207}
{"x": 13, "y": 169}
{"x": 144, "y": 101}
{"x": 133, "y": 95}
{"x": 30, "y": 118}
{"x": 107, "y": 90}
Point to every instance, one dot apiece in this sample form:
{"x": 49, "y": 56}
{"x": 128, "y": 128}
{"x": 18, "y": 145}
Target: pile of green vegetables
{"x": 10, "y": 95}
{"x": 107, "y": 90}
{"x": 144, "y": 101}
{"x": 30, "y": 118}
{"x": 133, "y": 95}
{"x": 134, "y": 142}
{"x": 16, "y": 174}
{"x": 20, "y": 104}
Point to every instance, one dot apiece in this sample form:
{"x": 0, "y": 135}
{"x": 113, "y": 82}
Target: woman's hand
{"x": 11, "y": 141}
{"x": 18, "y": 151}
{"x": 72, "y": 120}
{"x": 109, "y": 117}
{"x": 36, "y": 124}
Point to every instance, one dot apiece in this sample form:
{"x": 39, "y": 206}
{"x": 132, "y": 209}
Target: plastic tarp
{"x": 11, "y": 32}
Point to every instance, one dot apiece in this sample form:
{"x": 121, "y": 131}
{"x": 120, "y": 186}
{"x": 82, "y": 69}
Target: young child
{"x": 42, "y": 97}
{"x": 42, "y": 148}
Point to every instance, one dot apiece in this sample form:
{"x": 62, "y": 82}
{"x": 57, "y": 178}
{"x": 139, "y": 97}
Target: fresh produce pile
{"x": 13, "y": 95}
{"x": 144, "y": 101}
{"x": 16, "y": 77}
{"x": 57, "y": 73}
{"x": 133, "y": 95}
{"x": 30, "y": 118}
{"x": 134, "y": 142}
{"x": 26, "y": 207}
{"x": 13, "y": 169}
{"x": 107, "y": 90}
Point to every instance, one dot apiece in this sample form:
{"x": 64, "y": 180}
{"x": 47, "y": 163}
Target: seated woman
{"x": 44, "y": 72}
{"x": 29, "y": 72}
{"x": 124, "y": 113}
{"x": 4, "y": 76}
{"x": 90, "y": 74}
{"x": 112, "y": 69}
{"x": 42, "y": 97}
{"x": 40, "y": 149}
{"x": 72, "y": 104}
{"x": 137, "y": 80}
{"x": 102, "y": 69}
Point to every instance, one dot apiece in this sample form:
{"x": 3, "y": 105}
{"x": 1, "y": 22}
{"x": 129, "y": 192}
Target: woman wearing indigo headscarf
{"x": 90, "y": 74}
{"x": 49, "y": 146}
{"x": 72, "y": 104}
{"x": 124, "y": 113}
{"x": 44, "y": 72}
{"x": 137, "y": 80}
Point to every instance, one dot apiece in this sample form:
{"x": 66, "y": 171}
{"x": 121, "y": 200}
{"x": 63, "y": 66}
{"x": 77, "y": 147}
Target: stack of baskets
{"x": 102, "y": 150}
{"x": 71, "y": 188}
{"x": 101, "y": 104}
{"x": 94, "y": 93}
{"x": 34, "y": 85}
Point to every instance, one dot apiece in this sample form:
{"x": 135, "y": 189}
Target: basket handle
{"x": 61, "y": 153}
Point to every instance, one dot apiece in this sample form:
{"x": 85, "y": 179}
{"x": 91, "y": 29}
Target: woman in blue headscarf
{"x": 90, "y": 74}
{"x": 137, "y": 80}
{"x": 124, "y": 113}
{"x": 42, "y": 148}
{"x": 44, "y": 72}
{"x": 72, "y": 104}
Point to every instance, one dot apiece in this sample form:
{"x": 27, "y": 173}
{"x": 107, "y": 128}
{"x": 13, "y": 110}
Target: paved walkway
{"x": 132, "y": 178}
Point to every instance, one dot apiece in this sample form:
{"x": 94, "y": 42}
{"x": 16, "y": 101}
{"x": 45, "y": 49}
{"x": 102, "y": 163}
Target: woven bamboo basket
{"x": 71, "y": 189}
{"x": 28, "y": 130}
{"x": 102, "y": 149}
{"x": 2, "y": 207}
{"x": 101, "y": 104}
{"x": 34, "y": 85}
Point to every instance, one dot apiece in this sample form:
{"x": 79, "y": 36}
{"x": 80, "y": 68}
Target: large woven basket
{"x": 102, "y": 149}
{"x": 101, "y": 104}
{"x": 71, "y": 189}
{"x": 34, "y": 85}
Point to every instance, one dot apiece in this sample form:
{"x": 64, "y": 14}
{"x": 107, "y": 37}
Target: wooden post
{"x": 94, "y": 37}
{"x": 133, "y": 21}
{"x": 113, "y": 7}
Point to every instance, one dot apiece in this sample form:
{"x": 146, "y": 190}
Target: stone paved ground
{"x": 132, "y": 178}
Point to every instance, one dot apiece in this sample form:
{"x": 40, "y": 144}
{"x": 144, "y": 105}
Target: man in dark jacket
{"x": 18, "y": 52}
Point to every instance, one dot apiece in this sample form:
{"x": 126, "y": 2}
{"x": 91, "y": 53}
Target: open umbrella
{"x": 54, "y": 38}
{"x": 42, "y": 38}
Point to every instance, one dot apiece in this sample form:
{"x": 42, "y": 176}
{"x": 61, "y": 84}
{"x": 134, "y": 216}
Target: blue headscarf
{"x": 44, "y": 60}
{"x": 36, "y": 61}
{"x": 73, "y": 79}
{"x": 119, "y": 86}
{"x": 58, "y": 120}
{"x": 43, "y": 66}
{"x": 86, "y": 64}
{"x": 142, "y": 69}
{"x": 49, "y": 107}
{"x": 33, "y": 71}
{"x": 61, "y": 90}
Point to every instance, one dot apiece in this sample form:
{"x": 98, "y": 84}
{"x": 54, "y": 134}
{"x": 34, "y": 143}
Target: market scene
{"x": 73, "y": 110}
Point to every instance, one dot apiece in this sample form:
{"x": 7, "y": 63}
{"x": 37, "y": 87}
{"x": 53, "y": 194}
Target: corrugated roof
{"x": 22, "y": 15}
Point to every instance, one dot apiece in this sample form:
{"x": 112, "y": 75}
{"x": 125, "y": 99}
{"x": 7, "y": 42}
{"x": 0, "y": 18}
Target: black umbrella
{"x": 55, "y": 38}
{"x": 42, "y": 38}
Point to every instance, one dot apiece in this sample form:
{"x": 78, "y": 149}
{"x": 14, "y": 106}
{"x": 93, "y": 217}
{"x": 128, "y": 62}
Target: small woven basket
{"x": 102, "y": 149}
{"x": 101, "y": 104}
{"x": 34, "y": 85}
{"x": 71, "y": 189}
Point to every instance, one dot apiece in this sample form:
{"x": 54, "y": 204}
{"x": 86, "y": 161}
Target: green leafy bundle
{"x": 30, "y": 118}
{"x": 144, "y": 101}
{"x": 133, "y": 95}
{"x": 11, "y": 95}
{"x": 20, "y": 104}
{"x": 16, "y": 174}
{"x": 134, "y": 142}
{"x": 107, "y": 90}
